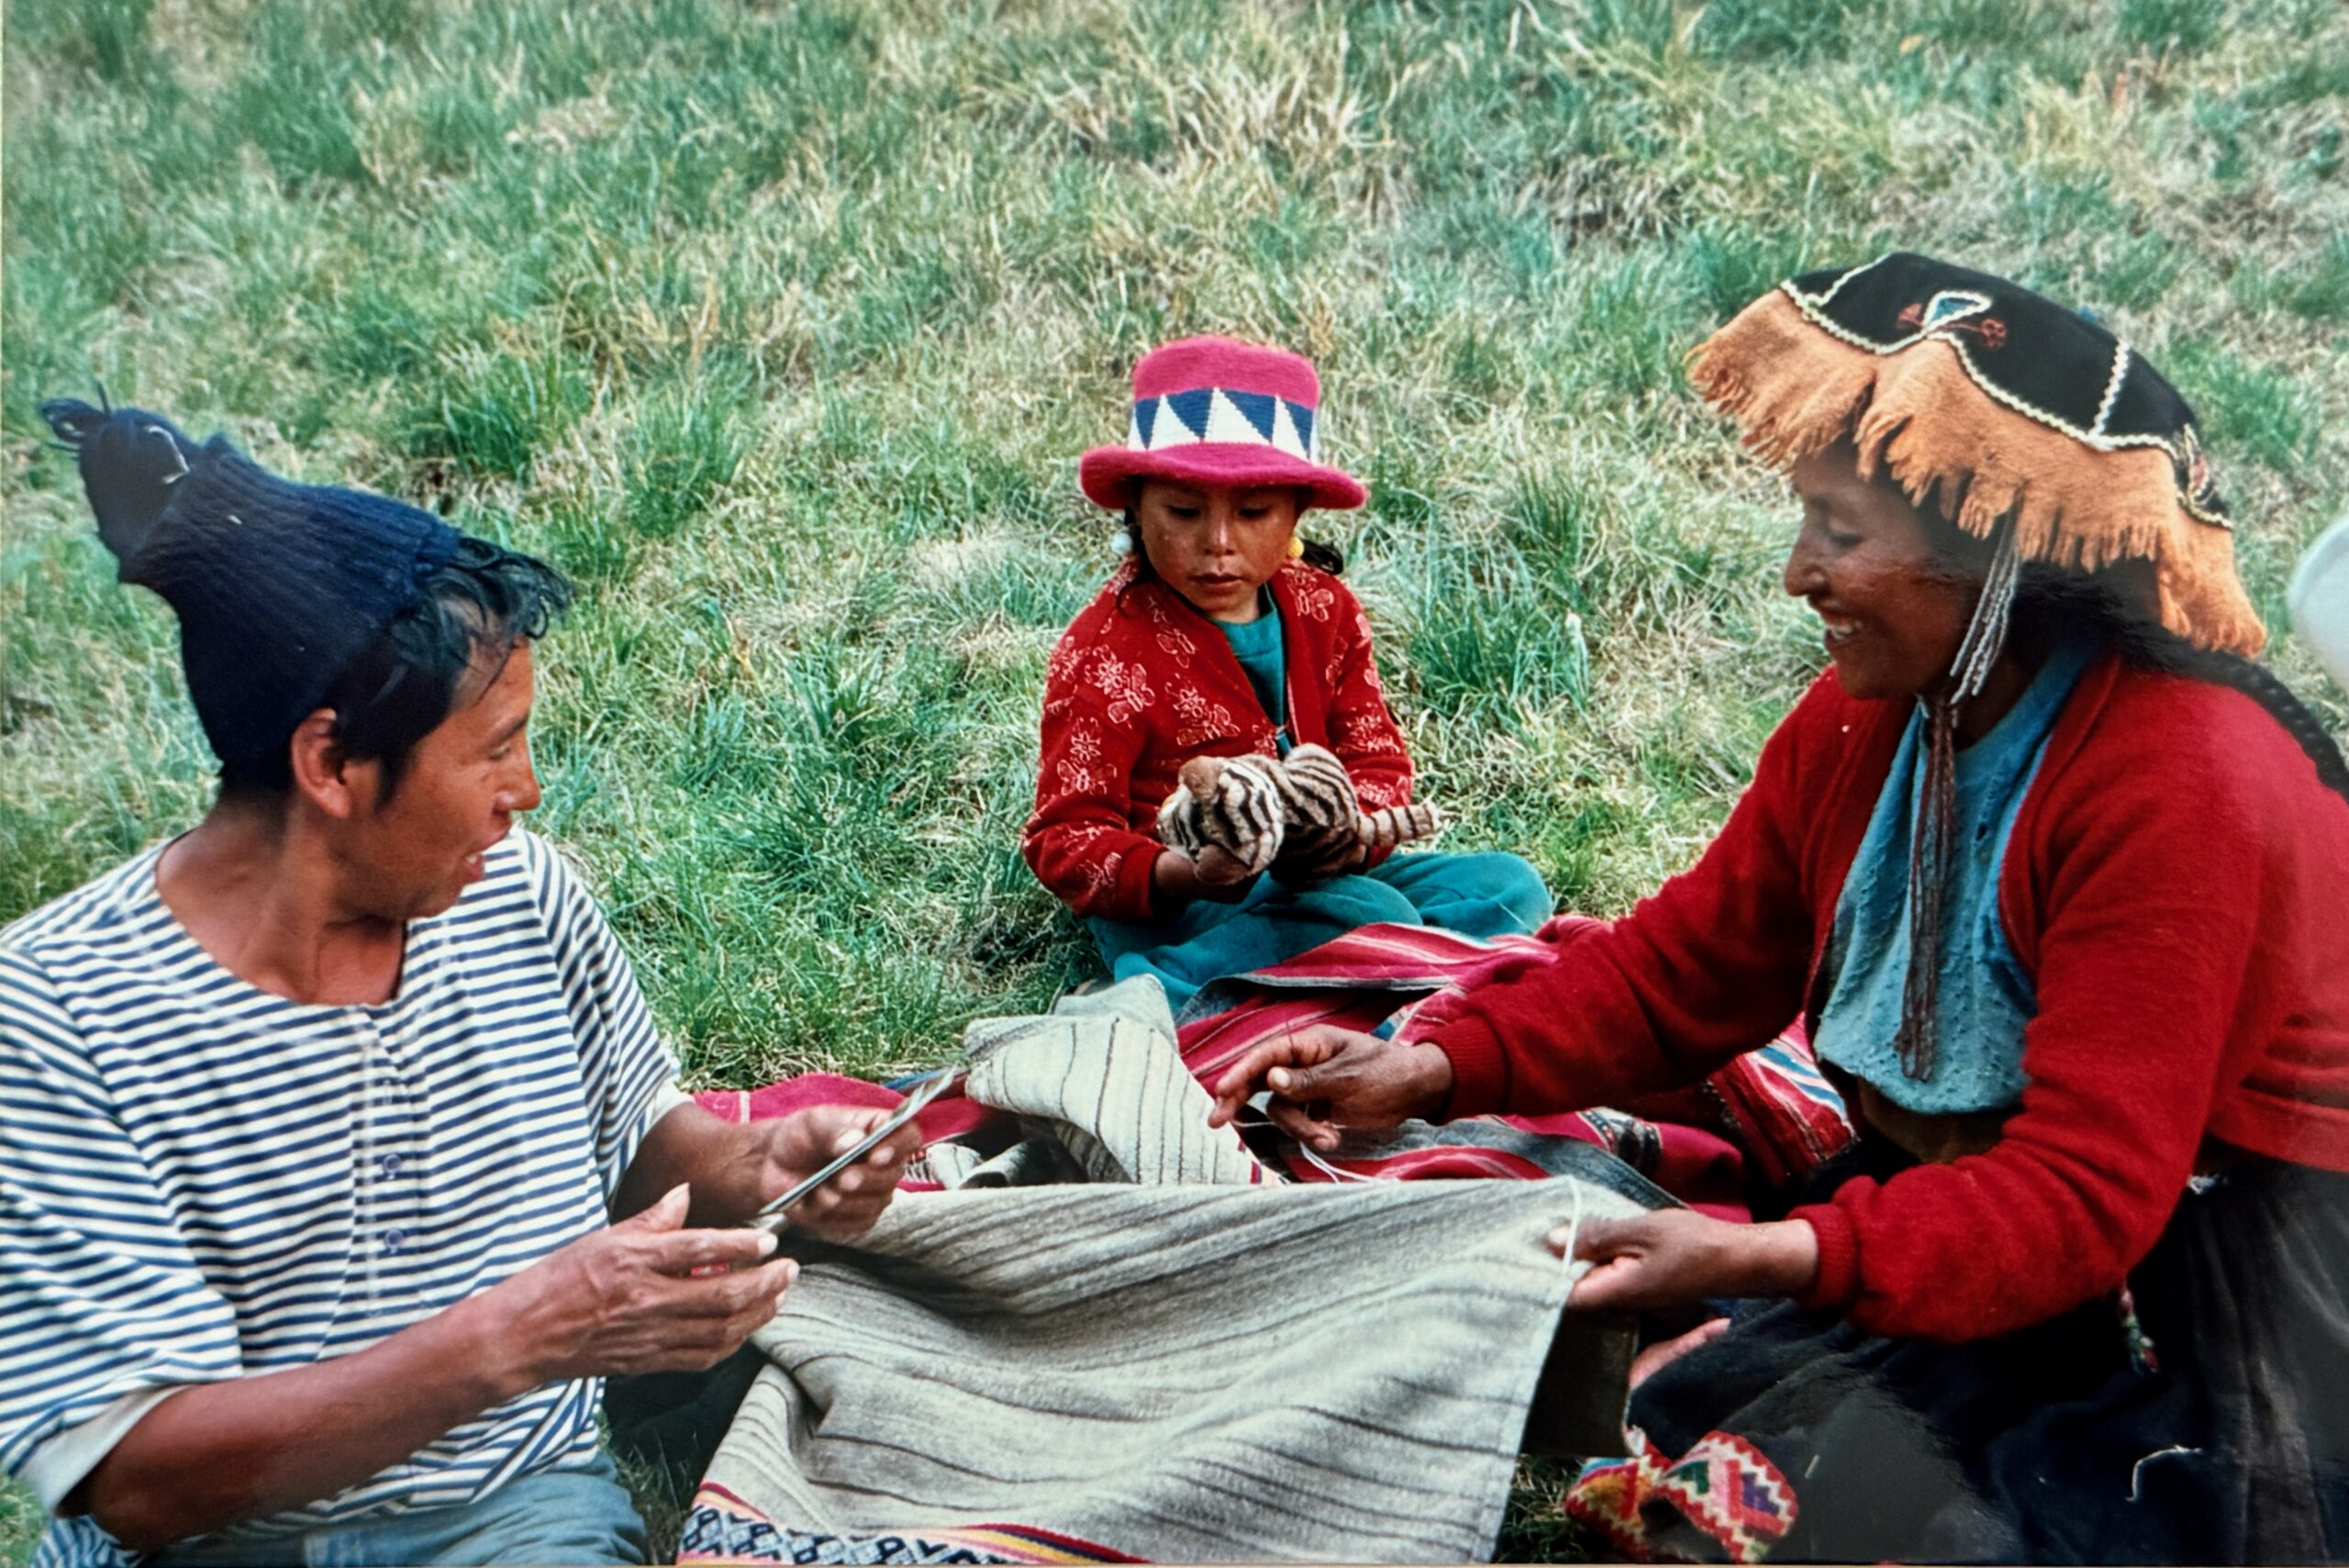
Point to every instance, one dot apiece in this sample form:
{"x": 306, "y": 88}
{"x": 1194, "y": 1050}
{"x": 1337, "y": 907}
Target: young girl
{"x": 1225, "y": 633}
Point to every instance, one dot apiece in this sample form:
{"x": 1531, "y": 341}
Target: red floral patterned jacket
{"x": 1141, "y": 683}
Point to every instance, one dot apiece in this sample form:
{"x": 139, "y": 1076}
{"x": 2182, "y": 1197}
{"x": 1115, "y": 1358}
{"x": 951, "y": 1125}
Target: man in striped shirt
{"x": 340, "y": 1156}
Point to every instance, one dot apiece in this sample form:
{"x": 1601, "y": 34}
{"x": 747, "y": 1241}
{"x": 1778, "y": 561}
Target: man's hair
{"x": 404, "y": 682}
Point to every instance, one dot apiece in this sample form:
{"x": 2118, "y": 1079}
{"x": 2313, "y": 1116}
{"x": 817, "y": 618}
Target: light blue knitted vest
{"x": 1984, "y": 998}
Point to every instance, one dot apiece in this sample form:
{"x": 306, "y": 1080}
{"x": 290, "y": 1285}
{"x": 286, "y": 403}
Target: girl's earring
{"x": 1122, "y": 542}
{"x": 1297, "y": 547}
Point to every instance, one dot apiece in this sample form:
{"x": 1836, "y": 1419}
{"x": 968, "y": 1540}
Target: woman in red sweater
{"x": 1225, "y": 634}
{"x": 2057, "y": 876}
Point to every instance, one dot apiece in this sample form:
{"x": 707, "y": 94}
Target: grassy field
{"x": 781, "y": 326}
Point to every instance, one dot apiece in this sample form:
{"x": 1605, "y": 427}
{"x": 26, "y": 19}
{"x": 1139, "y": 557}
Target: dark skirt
{"x": 2202, "y": 1416}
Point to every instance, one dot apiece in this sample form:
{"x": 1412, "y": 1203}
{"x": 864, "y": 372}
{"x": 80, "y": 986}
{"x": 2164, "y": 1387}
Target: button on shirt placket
{"x": 386, "y": 1219}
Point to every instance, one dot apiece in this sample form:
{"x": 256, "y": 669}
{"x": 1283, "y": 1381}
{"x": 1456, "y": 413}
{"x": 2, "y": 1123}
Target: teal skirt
{"x": 1488, "y": 894}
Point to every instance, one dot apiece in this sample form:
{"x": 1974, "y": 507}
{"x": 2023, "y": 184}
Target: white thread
{"x": 2112, "y": 386}
{"x": 1976, "y": 304}
{"x": 1928, "y": 326}
{"x": 1819, "y": 317}
{"x": 2052, "y": 421}
{"x": 170, "y": 478}
{"x": 1257, "y": 1118}
{"x": 1986, "y": 634}
{"x": 1837, "y": 286}
{"x": 1332, "y": 1172}
{"x": 1574, "y": 1235}
{"x": 2137, "y": 1471}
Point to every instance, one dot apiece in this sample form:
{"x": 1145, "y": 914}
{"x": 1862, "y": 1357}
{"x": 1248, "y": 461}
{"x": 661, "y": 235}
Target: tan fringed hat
{"x": 2004, "y": 405}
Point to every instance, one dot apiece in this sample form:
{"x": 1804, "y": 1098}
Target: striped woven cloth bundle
{"x": 1769, "y": 1115}
{"x": 1178, "y": 1362}
{"x": 1769, "y": 1118}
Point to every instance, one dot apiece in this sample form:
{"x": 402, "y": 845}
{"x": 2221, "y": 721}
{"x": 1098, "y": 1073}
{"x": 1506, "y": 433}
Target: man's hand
{"x": 735, "y": 1168}
{"x": 1675, "y": 1256}
{"x": 798, "y": 1145}
{"x": 645, "y": 1295}
{"x": 1324, "y": 1078}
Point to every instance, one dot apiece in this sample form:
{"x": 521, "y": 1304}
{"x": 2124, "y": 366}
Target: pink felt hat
{"x": 1215, "y": 411}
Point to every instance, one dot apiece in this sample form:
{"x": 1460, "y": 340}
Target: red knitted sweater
{"x": 1141, "y": 683}
{"x": 2177, "y": 888}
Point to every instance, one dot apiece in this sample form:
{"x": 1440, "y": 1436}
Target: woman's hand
{"x": 1675, "y": 1256}
{"x": 1324, "y": 1078}
{"x": 798, "y": 1145}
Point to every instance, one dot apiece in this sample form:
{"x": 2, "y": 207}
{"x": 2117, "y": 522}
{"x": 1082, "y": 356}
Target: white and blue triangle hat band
{"x": 1217, "y": 411}
{"x": 1224, "y": 417}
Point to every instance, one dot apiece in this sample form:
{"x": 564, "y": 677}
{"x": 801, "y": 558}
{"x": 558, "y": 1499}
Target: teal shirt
{"x": 1257, "y": 646}
{"x": 1984, "y": 998}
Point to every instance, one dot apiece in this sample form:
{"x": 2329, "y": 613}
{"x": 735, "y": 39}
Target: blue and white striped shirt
{"x": 201, "y": 1181}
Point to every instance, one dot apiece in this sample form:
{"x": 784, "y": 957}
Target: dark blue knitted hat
{"x": 278, "y": 586}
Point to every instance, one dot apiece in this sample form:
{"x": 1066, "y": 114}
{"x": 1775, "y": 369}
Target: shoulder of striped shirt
{"x": 566, "y": 897}
{"x": 549, "y": 873}
{"x": 89, "y": 910}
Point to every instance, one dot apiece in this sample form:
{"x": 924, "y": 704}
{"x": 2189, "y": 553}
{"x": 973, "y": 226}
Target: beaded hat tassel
{"x": 1932, "y": 839}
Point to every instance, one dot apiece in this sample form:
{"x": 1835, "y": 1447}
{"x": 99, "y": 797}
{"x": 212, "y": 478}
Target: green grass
{"x": 781, "y": 325}
{"x": 20, "y": 1524}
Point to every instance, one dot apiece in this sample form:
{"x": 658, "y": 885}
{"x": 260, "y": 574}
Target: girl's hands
{"x": 1218, "y": 874}
{"x": 1311, "y": 856}
{"x": 1675, "y": 1256}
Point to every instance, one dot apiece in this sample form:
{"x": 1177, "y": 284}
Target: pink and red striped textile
{"x": 1767, "y": 1118}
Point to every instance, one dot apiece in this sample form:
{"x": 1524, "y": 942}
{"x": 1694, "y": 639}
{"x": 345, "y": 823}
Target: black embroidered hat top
{"x": 2004, "y": 407}
{"x": 278, "y": 585}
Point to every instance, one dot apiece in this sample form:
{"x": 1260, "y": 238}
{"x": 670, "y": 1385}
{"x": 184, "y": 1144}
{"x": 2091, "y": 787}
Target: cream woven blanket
{"x": 1205, "y": 1368}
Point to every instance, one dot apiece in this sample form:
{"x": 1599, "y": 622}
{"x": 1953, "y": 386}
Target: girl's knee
{"x": 1519, "y": 888}
{"x": 1483, "y": 894}
{"x": 1358, "y": 900}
